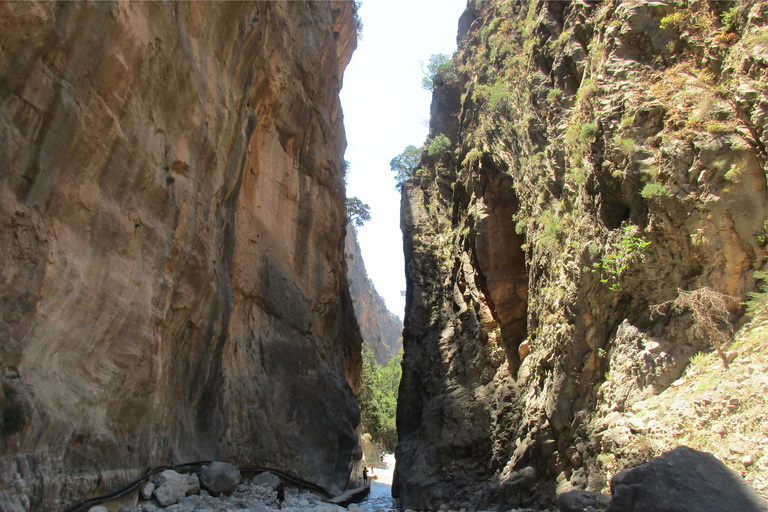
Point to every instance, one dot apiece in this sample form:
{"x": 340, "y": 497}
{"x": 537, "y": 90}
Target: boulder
{"x": 220, "y": 478}
{"x": 683, "y": 480}
{"x": 578, "y": 500}
{"x": 267, "y": 479}
{"x": 189, "y": 504}
{"x": 193, "y": 484}
{"x": 170, "y": 487}
{"x": 146, "y": 490}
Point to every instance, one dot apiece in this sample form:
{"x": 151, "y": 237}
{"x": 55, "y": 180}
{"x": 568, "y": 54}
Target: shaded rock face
{"x": 380, "y": 328}
{"x": 601, "y": 161}
{"x": 172, "y": 218}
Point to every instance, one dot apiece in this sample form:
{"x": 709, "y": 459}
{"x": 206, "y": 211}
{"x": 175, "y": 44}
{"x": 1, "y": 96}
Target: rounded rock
{"x": 220, "y": 478}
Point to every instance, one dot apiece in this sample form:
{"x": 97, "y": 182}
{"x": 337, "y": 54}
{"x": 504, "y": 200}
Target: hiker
{"x": 365, "y": 475}
{"x": 280, "y": 493}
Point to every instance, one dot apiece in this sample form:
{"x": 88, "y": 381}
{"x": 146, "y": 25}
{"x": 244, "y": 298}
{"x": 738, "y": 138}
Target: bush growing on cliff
{"x": 655, "y": 191}
{"x": 405, "y": 164}
{"x": 438, "y": 145}
{"x": 439, "y": 71}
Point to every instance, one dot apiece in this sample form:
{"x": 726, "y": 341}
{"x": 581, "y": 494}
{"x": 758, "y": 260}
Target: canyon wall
{"x": 605, "y": 158}
{"x": 379, "y": 327}
{"x": 172, "y": 222}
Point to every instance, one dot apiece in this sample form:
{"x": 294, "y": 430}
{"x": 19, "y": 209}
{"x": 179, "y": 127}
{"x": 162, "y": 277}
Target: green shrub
{"x": 677, "y": 20}
{"x": 718, "y": 128}
{"x": 439, "y": 71}
{"x": 655, "y": 190}
{"x": 730, "y": 18}
{"x": 617, "y": 259}
{"x": 474, "y": 155}
{"x": 628, "y": 146}
{"x": 554, "y": 95}
{"x": 587, "y": 90}
{"x": 587, "y": 132}
{"x": 438, "y": 145}
{"x": 555, "y": 229}
{"x": 762, "y": 234}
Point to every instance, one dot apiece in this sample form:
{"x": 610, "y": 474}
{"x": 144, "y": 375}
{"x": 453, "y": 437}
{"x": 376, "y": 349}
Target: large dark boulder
{"x": 683, "y": 480}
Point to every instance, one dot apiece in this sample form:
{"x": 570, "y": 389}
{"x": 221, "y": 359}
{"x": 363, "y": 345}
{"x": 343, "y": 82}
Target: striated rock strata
{"x": 379, "y": 327}
{"x": 605, "y": 157}
{"x": 172, "y": 223}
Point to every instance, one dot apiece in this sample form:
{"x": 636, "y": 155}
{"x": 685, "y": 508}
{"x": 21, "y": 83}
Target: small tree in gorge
{"x": 405, "y": 163}
{"x": 358, "y": 213}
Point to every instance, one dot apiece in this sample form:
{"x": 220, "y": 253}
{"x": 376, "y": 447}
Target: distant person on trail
{"x": 365, "y": 475}
{"x": 280, "y": 494}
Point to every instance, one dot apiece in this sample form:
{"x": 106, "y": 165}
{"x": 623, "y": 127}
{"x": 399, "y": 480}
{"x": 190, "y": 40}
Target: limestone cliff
{"x": 605, "y": 157}
{"x": 172, "y": 221}
{"x": 379, "y": 327}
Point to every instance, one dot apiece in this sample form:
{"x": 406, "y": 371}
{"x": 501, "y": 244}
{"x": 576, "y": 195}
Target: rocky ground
{"x": 711, "y": 408}
{"x": 174, "y": 492}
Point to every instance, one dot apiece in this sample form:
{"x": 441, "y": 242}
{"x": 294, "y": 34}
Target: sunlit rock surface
{"x": 604, "y": 156}
{"x": 173, "y": 284}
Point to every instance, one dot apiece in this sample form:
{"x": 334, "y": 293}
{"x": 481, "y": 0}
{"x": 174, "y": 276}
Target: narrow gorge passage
{"x": 585, "y": 240}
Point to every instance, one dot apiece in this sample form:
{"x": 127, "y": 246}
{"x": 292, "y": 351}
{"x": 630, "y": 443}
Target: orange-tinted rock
{"x": 172, "y": 212}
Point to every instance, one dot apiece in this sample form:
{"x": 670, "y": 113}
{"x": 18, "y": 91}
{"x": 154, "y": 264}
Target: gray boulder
{"x": 220, "y": 478}
{"x": 683, "y": 480}
{"x": 170, "y": 487}
{"x": 193, "y": 484}
{"x": 146, "y": 490}
{"x": 266, "y": 479}
{"x": 189, "y": 504}
{"x": 578, "y": 501}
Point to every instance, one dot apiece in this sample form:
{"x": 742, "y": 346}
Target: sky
{"x": 385, "y": 110}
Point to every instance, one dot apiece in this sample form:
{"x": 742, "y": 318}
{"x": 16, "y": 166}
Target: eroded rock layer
{"x": 605, "y": 157}
{"x": 172, "y": 221}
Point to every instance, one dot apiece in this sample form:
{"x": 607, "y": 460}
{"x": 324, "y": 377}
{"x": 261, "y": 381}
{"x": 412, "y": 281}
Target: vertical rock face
{"x": 605, "y": 157}
{"x": 172, "y": 218}
{"x": 379, "y": 327}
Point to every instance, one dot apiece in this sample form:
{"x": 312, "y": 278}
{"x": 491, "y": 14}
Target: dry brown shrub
{"x": 711, "y": 315}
